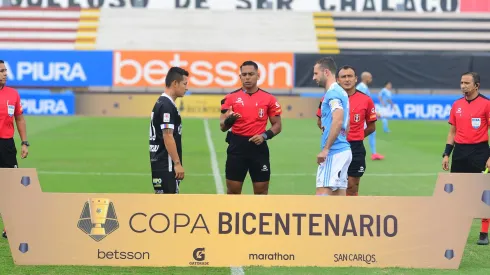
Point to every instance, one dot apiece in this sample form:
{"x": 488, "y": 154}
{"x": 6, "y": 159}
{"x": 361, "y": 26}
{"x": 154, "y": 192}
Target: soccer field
{"x": 99, "y": 155}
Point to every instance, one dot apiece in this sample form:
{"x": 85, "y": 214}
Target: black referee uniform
{"x": 164, "y": 116}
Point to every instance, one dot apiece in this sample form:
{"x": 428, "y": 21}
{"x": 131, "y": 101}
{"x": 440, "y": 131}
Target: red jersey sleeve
{"x": 488, "y": 113}
{"x": 225, "y": 104}
{"x": 18, "y": 107}
{"x": 371, "y": 111}
{"x": 274, "y": 108}
{"x": 319, "y": 110}
{"x": 452, "y": 116}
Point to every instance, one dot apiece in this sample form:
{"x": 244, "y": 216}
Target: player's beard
{"x": 322, "y": 82}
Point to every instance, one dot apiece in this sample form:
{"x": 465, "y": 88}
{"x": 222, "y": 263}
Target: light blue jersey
{"x": 335, "y": 98}
{"x": 363, "y": 88}
{"x": 385, "y": 95}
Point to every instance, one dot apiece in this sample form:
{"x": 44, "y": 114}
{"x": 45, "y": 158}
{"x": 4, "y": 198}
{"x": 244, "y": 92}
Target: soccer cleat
{"x": 483, "y": 239}
{"x": 4, "y": 234}
{"x": 377, "y": 157}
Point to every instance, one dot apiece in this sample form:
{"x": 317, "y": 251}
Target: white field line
{"x": 217, "y": 180}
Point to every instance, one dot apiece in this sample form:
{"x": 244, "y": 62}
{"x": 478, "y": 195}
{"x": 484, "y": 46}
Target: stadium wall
{"x": 190, "y": 106}
{"x": 406, "y": 107}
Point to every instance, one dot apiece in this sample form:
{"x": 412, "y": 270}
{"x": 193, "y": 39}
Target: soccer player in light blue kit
{"x": 336, "y": 155}
{"x": 385, "y": 99}
{"x": 366, "y": 79}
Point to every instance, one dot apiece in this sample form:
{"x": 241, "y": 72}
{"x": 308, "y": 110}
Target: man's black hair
{"x": 175, "y": 74}
{"x": 249, "y": 63}
{"x": 346, "y": 67}
{"x": 476, "y": 77}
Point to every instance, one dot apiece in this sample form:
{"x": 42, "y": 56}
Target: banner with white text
{"x": 410, "y": 6}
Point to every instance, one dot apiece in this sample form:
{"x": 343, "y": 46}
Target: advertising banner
{"x": 190, "y": 106}
{"x": 415, "y": 107}
{"x": 418, "y": 107}
{"x": 424, "y": 71}
{"x": 206, "y": 69}
{"x": 224, "y": 231}
{"x": 51, "y": 68}
{"x": 415, "y": 6}
{"x": 47, "y": 104}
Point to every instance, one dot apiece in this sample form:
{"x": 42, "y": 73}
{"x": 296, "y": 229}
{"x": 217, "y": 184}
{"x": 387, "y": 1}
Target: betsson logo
{"x": 207, "y": 70}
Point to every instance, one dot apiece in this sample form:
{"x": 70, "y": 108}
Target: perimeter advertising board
{"x": 223, "y": 231}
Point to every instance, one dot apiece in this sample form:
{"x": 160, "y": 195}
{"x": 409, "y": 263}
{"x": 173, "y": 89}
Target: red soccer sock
{"x": 484, "y": 225}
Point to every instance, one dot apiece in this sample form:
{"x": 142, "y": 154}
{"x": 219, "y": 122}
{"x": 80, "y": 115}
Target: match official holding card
{"x": 468, "y": 135}
{"x": 244, "y": 114}
{"x": 10, "y": 108}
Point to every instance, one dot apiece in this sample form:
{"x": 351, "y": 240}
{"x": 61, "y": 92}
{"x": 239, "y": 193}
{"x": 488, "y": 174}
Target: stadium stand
{"x": 299, "y": 32}
{"x": 46, "y": 28}
{"x": 207, "y": 31}
{"x": 340, "y": 32}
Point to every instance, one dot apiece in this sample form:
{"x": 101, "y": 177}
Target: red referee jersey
{"x": 362, "y": 110}
{"x": 255, "y": 109}
{"x": 9, "y": 107}
{"x": 471, "y": 119}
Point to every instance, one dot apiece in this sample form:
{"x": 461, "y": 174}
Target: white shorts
{"x": 385, "y": 111}
{"x": 333, "y": 172}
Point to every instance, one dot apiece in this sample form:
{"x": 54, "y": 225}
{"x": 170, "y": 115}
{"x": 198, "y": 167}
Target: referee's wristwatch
{"x": 26, "y": 143}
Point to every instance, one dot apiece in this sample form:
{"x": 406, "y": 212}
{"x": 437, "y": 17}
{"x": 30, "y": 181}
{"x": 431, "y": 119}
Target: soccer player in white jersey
{"x": 336, "y": 155}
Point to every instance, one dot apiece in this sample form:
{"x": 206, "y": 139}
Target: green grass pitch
{"x": 71, "y": 152}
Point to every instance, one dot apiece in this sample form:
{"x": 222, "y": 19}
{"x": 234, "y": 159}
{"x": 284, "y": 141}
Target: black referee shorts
{"x": 244, "y": 156}
{"x": 358, "y": 165}
{"x": 469, "y": 158}
{"x": 163, "y": 178}
{"x": 8, "y": 153}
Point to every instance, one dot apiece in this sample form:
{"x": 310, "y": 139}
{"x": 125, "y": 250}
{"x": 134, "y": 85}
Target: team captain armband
{"x": 335, "y": 104}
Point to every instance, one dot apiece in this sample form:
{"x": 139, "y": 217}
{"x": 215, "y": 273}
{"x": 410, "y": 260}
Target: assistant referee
{"x": 468, "y": 135}
{"x": 244, "y": 114}
{"x": 10, "y": 107}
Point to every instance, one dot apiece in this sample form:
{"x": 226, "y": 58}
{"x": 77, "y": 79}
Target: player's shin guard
{"x": 372, "y": 142}
{"x": 484, "y": 225}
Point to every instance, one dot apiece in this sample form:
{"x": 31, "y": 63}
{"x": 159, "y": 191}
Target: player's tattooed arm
{"x": 170, "y": 145}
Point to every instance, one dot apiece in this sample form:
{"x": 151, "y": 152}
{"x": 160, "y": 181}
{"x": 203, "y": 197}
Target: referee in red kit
{"x": 10, "y": 107}
{"x": 244, "y": 114}
{"x": 362, "y": 113}
{"x": 468, "y": 135}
